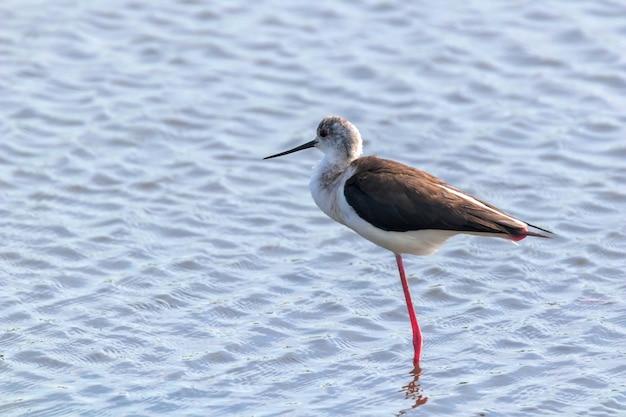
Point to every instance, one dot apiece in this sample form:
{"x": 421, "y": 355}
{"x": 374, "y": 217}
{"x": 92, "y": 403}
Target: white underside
{"x": 420, "y": 242}
{"x": 331, "y": 200}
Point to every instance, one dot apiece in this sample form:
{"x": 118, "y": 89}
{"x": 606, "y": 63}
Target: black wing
{"x": 398, "y": 198}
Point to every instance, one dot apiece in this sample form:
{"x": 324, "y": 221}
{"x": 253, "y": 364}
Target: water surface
{"x": 152, "y": 264}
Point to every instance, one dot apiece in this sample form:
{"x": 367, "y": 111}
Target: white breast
{"x": 327, "y": 191}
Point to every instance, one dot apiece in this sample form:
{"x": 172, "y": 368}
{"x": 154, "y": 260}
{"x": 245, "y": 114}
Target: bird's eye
{"x": 323, "y": 133}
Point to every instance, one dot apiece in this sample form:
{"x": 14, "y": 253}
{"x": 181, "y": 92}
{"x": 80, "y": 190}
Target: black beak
{"x": 296, "y": 149}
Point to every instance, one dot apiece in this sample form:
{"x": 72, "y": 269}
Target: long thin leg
{"x": 417, "y": 333}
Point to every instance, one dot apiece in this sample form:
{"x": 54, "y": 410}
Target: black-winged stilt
{"x": 397, "y": 207}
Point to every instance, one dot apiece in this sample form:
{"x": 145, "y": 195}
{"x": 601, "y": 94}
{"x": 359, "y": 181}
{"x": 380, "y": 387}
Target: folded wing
{"x": 395, "y": 197}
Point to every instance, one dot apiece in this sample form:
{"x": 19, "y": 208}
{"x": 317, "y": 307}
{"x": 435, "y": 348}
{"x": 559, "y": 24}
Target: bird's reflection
{"x": 413, "y": 391}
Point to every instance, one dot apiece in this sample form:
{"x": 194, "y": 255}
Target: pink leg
{"x": 417, "y": 333}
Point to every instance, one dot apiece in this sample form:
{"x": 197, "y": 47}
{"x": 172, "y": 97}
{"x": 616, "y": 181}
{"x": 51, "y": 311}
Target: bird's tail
{"x": 523, "y": 233}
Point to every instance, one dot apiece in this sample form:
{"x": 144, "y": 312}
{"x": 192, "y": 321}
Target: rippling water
{"x": 152, "y": 264}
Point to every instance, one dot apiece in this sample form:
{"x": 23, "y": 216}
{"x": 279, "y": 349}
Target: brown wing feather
{"x": 396, "y": 197}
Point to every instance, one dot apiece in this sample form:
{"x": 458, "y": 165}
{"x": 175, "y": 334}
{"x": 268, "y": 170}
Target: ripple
{"x": 151, "y": 258}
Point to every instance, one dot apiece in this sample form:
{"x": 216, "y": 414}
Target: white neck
{"x": 325, "y": 188}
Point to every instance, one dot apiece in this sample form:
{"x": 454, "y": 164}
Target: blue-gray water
{"x": 152, "y": 264}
